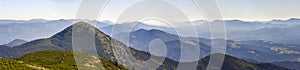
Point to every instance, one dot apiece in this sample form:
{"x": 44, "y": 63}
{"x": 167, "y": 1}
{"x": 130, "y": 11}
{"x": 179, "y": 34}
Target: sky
{"x": 247, "y": 10}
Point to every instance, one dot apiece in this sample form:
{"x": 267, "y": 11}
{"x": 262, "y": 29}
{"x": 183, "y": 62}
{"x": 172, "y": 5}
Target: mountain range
{"x": 265, "y": 42}
{"x": 282, "y": 31}
{"x": 259, "y": 50}
{"x": 107, "y": 51}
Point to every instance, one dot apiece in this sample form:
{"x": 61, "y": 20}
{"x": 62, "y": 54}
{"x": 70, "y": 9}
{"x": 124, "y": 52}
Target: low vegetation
{"x": 6, "y": 64}
{"x": 58, "y": 60}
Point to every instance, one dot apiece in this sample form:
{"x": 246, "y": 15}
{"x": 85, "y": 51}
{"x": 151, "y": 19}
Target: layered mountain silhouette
{"x": 108, "y": 51}
{"x": 254, "y": 50}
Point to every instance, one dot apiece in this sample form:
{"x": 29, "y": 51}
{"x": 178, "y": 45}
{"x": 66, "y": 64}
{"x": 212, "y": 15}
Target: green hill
{"x": 64, "y": 60}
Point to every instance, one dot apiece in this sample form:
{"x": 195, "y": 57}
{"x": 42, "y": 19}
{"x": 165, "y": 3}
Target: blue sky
{"x": 248, "y": 10}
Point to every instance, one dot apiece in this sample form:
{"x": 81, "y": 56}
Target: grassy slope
{"x": 6, "y": 64}
{"x": 58, "y": 59}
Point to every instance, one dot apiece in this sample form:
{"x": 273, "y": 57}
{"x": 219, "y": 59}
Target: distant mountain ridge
{"x": 36, "y": 28}
{"x": 236, "y": 29}
{"x": 16, "y": 42}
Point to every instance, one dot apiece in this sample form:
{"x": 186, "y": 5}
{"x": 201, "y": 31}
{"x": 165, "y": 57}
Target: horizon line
{"x": 190, "y": 21}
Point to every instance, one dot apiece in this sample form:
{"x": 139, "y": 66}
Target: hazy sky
{"x": 249, "y": 10}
